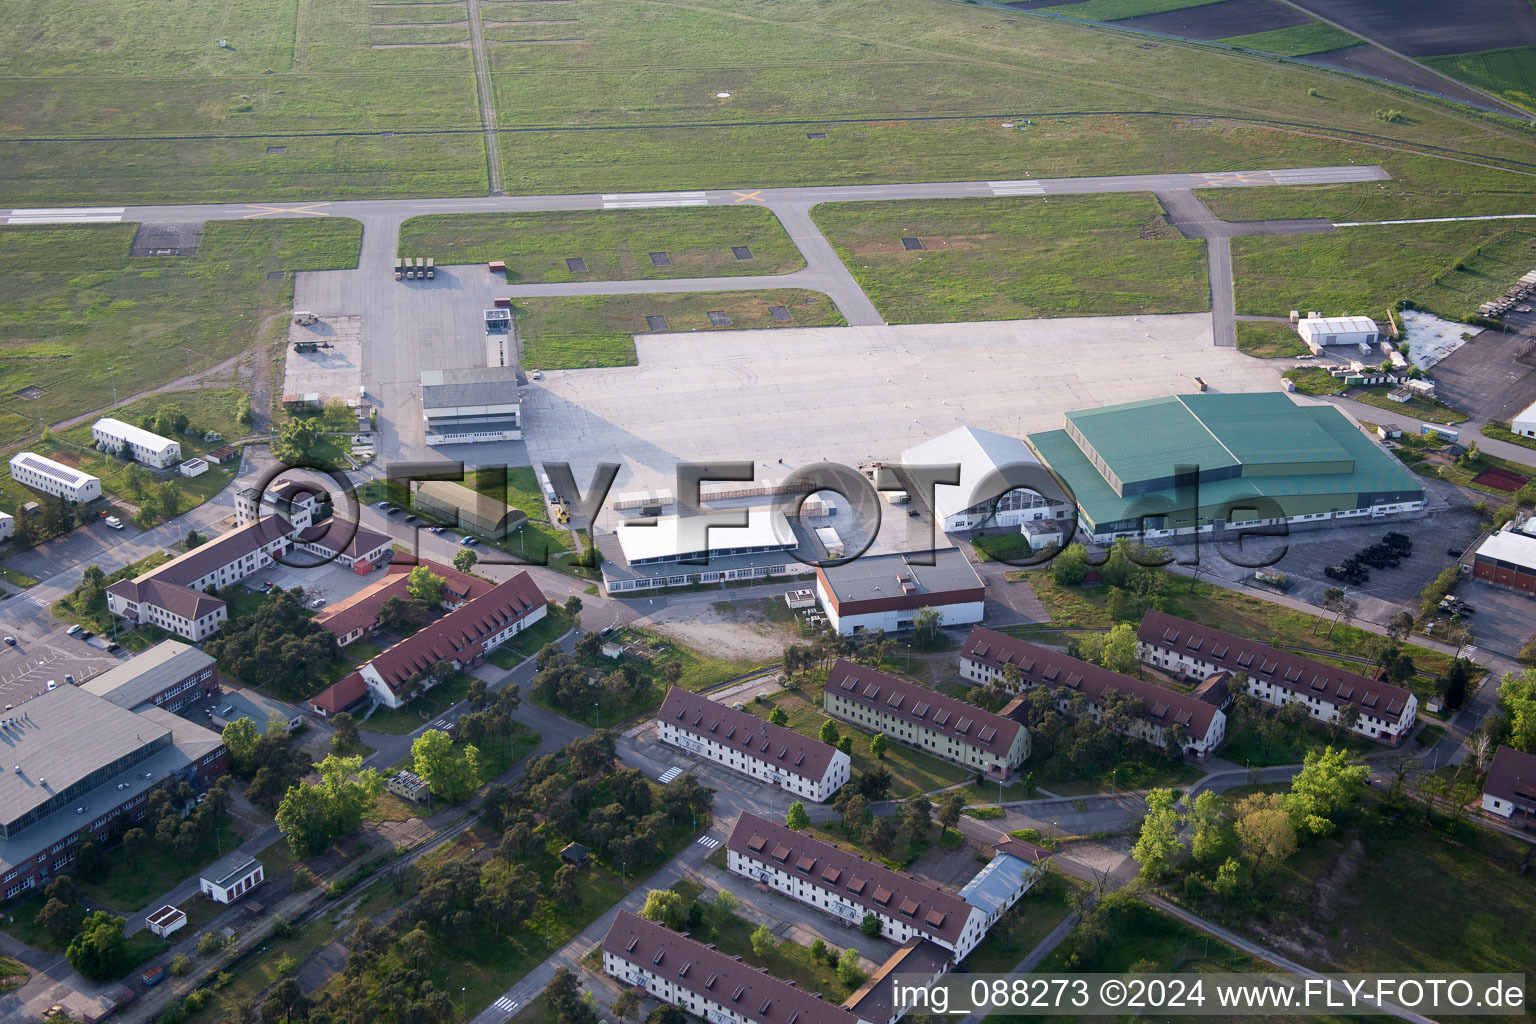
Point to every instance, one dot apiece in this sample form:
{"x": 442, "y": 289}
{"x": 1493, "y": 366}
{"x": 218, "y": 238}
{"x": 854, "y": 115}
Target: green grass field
{"x": 1007, "y": 258}
{"x": 1296, "y": 40}
{"x": 616, "y": 244}
{"x": 1448, "y": 269}
{"x": 1509, "y": 73}
{"x": 1114, "y": 10}
{"x": 1264, "y": 340}
{"x": 76, "y": 305}
{"x": 597, "y": 330}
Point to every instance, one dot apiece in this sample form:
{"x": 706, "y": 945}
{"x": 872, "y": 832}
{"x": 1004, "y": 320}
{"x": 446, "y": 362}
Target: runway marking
{"x": 67, "y": 215}
{"x": 645, "y": 200}
{"x": 708, "y": 842}
{"x": 1433, "y": 220}
{"x": 742, "y": 197}
{"x": 668, "y": 775}
{"x": 1016, "y": 188}
{"x": 304, "y": 210}
{"x": 1219, "y": 178}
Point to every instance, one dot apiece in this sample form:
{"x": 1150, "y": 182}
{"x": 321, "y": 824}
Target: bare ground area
{"x": 737, "y": 632}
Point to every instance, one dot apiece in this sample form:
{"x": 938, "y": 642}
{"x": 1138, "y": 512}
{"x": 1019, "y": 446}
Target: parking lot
{"x": 1485, "y": 377}
{"x": 329, "y": 583}
{"x": 26, "y": 668}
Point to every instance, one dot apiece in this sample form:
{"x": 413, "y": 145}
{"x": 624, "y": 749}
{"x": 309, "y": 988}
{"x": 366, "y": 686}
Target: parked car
{"x": 468, "y": 541}
{"x": 318, "y": 602}
{"x": 73, "y": 630}
{"x": 413, "y": 519}
{"x": 70, "y": 679}
{"x": 1453, "y": 552}
{"x": 381, "y": 504}
{"x": 86, "y": 634}
{"x": 10, "y": 640}
{"x": 393, "y": 511}
{"x": 438, "y": 531}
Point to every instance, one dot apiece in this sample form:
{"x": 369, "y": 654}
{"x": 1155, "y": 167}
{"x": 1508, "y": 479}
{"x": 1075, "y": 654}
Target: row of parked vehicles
{"x": 1387, "y": 553}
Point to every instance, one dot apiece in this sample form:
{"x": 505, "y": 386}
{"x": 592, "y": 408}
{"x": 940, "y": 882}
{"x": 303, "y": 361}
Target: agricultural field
{"x": 1509, "y": 73}
{"x": 1295, "y": 40}
{"x": 1448, "y": 269}
{"x": 1009, "y": 258}
{"x": 1116, "y": 10}
{"x": 598, "y": 330}
{"x": 615, "y": 245}
{"x": 78, "y": 314}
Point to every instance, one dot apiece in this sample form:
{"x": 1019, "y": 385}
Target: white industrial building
{"x": 146, "y": 446}
{"x": 471, "y": 405}
{"x": 1524, "y": 422}
{"x": 677, "y": 551}
{"x": 7, "y": 525}
{"x": 32, "y": 470}
{"x": 988, "y": 463}
{"x": 231, "y": 878}
{"x": 745, "y": 743}
{"x": 887, "y": 591}
{"x": 1320, "y": 332}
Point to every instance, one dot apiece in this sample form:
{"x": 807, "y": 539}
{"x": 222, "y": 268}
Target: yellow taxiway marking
{"x": 742, "y": 197}
{"x": 306, "y": 210}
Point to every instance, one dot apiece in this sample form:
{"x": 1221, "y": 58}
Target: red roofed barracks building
{"x": 1195, "y": 651}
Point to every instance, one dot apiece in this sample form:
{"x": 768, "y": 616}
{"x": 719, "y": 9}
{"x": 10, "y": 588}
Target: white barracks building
{"x": 145, "y": 446}
{"x": 849, "y": 887}
{"x": 32, "y": 470}
{"x": 745, "y": 743}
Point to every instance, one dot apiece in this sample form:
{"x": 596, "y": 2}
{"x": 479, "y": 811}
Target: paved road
{"x": 1469, "y": 430}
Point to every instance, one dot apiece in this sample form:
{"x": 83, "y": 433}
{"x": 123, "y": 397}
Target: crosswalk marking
{"x": 1016, "y": 188}
{"x": 668, "y": 775}
{"x": 708, "y": 842}
{"x": 642, "y": 200}
{"x": 506, "y": 1004}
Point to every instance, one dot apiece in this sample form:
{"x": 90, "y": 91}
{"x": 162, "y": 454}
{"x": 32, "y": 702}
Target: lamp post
{"x": 189, "y": 361}
{"x": 113, "y": 371}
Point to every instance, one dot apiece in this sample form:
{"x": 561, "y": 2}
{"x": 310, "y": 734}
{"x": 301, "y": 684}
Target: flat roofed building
{"x": 1524, "y": 422}
{"x": 296, "y": 502}
{"x": 1507, "y": 558}
{"x": 472, "y": 405}
{"x": 170, "y": 674}
{"x": 1387, "y": 713}
{"x": 229, "y": 879}
{"x": 682, "y": 550}
{"x": 933, "y": 722}
{"x": 705, "y": 982}
{"x": 164, "y": 921}
{"x": 887, "y": 591}
{"x": 988, "y": 464}
{"x": 466, "y": 508}
{"x": 848, "y": 887}
{"x": 745, "y": 743}
{"x": 75, "y": 763}
{"x": 1184, "y": 464}
{"x": 1010, "y": 874}
{"x": 234, "y": 705}
{"x": 7, "y": 525}
{"x": 32, "y": 470}
{"x": 1510, "y": 789}
{"x": 408, "y": 785}
{"x": 987, "y": 656}
{"x": 146, "y": 446}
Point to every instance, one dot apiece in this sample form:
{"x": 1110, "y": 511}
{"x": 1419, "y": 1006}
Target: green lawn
{"x": 1448, "y": 269}
{"x": 1025, "y": 924}
{"x": 78, "y": 313}
{"x": 598, "y": 330}
{"x": 1114, "y": 10}
{"x": 615, "y": 244}
{"x": 402, "y": 720}
{"x": 125, "y": 888}
{"x": 1018, "y": 257}
{"x": 1509, "y": 73}
{"x": 1463, "y": 475}
{"x": 1428, "y": 409}
{"x": 550, "y": 628}
{"x": 1314, "y": 380}
{"x": 911, "y": 771}
{"x": 1264, "y": 340}
{"x": 1313, "y": 37}
{"x": 1244, "y": 745}
{"x": 97, "y": 619}
{"x": 1501, "y": 432}
{"x": 788, "y": 962}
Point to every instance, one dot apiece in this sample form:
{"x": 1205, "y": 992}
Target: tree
{"x": 464, "y": 559}
{"x": 881, "y": 834}
{"x": 828, "y": 733}
{"x": 1229, "y": 877}
{"x": 169, "y": 419}
{"x": 1517, "y": 702}
{"x": 665, "y": 907}
{"x": 294, "y": 441}
{"x": 169, "y": 496}
{"x": 796, "y": 818}
{"x": 626, "y": 1004}
{"x": 425, "y": 586}
{"x": 573, "y": 609}
{"x": 666, "y": 1013}
{"x": 400, "y": 615}
{"x": 846, "y": 745}
{"x": 97, "y": 947}
{"x": 1400, "y": 626}
{"x": 134, "y": 842}
{"x": 344, "y": 730}
{"x": 778, "y": 717}
{"x": 925, "y": 628}
{"x": 56, "y": 918}
{"x": 1453, "y": 685}
{"x": 848, "y": 968}
{"x": 763, "y": 942}
{"x": 1438, "y": 588}
{"x": 1159, "y": 841}
{"x": 1264, "y": 830}
{"x": 1326, "y": 786}
{"x": 240, "y": 738}
{"x": 1119, "y": 653}
{"x": 950, "y": 808}
{"x": 1205, "y": 816}
{"x": 137, "y": 479}
{"x": 310, "y": 816}
{"x": 1070, "y": 565}
{"x": 453, "y": 773}
{"x": 877, "y": 745}
{"x": 870, "y": 926}
{"x": 725, "y": 905}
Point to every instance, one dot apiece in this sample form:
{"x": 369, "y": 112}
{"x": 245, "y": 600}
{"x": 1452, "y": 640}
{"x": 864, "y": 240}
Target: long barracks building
{"x": 1190, "y": 649}
{"x": 747, "y": 744}
{"x": 930, "y": 721}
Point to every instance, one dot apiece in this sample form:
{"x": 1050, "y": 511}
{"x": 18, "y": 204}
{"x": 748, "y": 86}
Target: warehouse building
{"x": 1175, "y": 466}
{"x": 704, "y": 982}
{"x": 1524, "y": 422}
{"x": 933, "y": 722}
{"x": 80, "y": 762}
{"x": 988, "y": 463}
{"x": 887, "y": 591}
{"x": 1387, "y": 713}
{"x": 1507, "y": 557}
{"x": 49, "y": 477}
{"x": 470, "y": 406}
{"x": 1510, "y": 789}
{"x": 678, "y": 551}
{"x": 848, "y": 887}
{"x": 1322, "y": 332}
{"x": 169, "y": 675}
{"x": 466, "y": 508}
{"x": 146, "y": 446}
{"x": 745, "y": 743}
{"x": 1198, "y": 724}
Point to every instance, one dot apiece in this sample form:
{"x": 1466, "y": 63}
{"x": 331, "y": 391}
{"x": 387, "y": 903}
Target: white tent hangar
{"x": 985, "y": 459}
{"x": 1524, "y": 422}
{"x": 1321, "y": 331}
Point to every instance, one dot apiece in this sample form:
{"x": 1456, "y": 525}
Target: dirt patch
{"x": 1374, "y": 62}
{"x": 1426, "y": 28}
{"x": 738, "y": 631}
{"x": 1219, "y": 20}
{"x": 546, "y": 21}
{"x": 171, "y": 239}
{"x": 1501, "y": 480}
{"x": 535, "y": 41}
{"x": 1157, "y": 229}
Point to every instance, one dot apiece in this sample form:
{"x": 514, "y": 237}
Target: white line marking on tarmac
{"x": 644, "y": 200}
{"x": 1435, "y": 220}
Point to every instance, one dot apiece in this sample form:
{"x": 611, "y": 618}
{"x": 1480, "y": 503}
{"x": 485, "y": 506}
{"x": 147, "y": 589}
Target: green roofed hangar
{"x": 1172, "y": 466}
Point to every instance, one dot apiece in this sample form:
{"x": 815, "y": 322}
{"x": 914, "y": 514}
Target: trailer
{"x": 399, "y": 268}
{"x": 503, "y": 303}
{"x": 1445, "y": 432}
{"x": 304, "y": 318}
{"x": 431, "y": 271}
{"x": 497, "y": 266}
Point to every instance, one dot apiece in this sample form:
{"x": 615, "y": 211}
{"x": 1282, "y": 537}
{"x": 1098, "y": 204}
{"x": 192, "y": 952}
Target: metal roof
{"x": 876, "y": 577}
{"x": 225, "y": 873}
{"x": 982, "y": 456}
{"x": 144, "y": 675}
{"x": 996, "y": 885}
{"x": 1336, "y": 325}
{"x": 492, "y": 387}
{"x": 131, "y": 434}
{"x": 1509, "y": 545}
{"x": 675, "y": 537}
{"x": 60, "y": 472}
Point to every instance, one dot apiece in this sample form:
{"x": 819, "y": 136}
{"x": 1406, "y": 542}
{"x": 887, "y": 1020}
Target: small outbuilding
{"x": 576, "y": 854}
{"x": 165, "y": 921}
{"x": 231, "y": 878}
{"x": 192, "y": 467}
